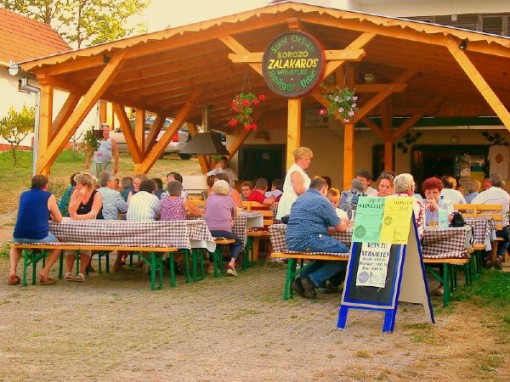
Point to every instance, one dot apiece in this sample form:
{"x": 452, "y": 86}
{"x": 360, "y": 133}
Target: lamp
{"x": 463, "y": 44}
{"x": 206, "y": 142}
{"x": 13, "y": 68}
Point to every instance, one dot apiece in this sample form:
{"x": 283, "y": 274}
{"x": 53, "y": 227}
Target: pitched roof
{"x": 23, "y": 39}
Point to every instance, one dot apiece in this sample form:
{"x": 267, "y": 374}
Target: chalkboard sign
{"x": 293, "y": 64}
{"x": 376, "y": 296}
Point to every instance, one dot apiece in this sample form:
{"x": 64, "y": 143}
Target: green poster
{"x": 368, "y": 220}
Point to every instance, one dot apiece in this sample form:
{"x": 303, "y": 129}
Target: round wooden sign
{"x": 293, "y": 64}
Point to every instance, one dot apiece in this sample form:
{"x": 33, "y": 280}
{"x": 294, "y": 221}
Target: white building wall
{"x": 11, "y": 96}
{"x": 408, "y": 8}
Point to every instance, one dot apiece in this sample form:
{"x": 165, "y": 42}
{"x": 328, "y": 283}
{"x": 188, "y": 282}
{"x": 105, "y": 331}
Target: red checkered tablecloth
{"x": 183, "y": 234}
{"x": 483, "y": 227}
{"x": 438, "y": 243}
{"x": 244, "y": 221}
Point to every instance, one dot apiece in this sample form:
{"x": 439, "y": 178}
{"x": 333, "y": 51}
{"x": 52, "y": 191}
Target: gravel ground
{"x": 112, "y": 327}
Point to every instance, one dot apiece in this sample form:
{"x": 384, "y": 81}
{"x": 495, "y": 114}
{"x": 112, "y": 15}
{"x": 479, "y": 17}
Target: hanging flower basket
{"x": 243, "y": 106}
{"x": 343, "y": 101}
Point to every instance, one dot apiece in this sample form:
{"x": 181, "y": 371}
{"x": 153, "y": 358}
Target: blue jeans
{"x": 235, "y": 248}
{"x": 48, "y": 239}
{"x": 322, "y": 270}
{"x": 503, "y": 246}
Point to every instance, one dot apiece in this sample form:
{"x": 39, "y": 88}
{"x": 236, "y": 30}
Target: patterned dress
{"x": 172, "y": 208}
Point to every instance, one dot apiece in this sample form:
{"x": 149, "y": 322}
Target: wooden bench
{"x": 33, "y": 253}
{"x": 448, "y": 279}
{"x": 494, "y": 211}
{"x": 252, "y": 247}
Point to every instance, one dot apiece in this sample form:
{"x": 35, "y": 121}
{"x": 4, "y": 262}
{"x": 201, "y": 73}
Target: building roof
{"x": 161, "y": 70}
{"x": 23, "y": 39}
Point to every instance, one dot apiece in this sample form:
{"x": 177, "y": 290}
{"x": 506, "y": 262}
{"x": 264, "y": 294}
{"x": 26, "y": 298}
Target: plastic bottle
{"x": 443, "y": 211}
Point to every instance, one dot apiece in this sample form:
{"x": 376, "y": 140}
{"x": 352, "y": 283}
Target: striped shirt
{"x": 143, "y": 207}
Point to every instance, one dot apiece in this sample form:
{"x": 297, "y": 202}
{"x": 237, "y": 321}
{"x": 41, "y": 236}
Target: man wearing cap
{"x": 102, "y": 157}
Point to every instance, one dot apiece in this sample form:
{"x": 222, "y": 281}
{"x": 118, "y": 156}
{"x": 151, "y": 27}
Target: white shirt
{"x": 453, "y": 196}
{"x": 289, "y": 196}
{"x": 495, "y": 195}
{"x": 143, "y": 207}
{"x": 370, "y": 191}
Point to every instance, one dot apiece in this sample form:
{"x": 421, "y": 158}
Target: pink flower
{"x": 262, "y": 97}
{"x": 323, "y": 112}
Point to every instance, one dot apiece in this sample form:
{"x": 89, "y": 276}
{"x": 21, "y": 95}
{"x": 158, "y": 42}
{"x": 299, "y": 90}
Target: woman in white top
{"x": 451, "y": 195}
{"x": 296, "y": 180}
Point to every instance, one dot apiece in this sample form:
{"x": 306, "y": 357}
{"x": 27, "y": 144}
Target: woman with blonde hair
{"x": 86, "y": 203}
{"x": 296, "y": 180}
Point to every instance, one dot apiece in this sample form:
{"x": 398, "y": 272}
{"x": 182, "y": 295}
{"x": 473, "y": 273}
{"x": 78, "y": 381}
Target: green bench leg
{"x": 155, "y": 263}
{"x": 31, "y": 258}
{"x": 248, "y": 254}
{"x": 171, "y": 269}
{"x": 445, "y": 280}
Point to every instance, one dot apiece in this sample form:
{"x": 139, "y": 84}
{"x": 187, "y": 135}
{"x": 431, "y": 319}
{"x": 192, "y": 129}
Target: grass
{"x": 16, "y": 179}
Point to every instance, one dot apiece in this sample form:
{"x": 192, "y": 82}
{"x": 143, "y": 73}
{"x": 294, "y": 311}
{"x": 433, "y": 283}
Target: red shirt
{"x": 256, "y": 196}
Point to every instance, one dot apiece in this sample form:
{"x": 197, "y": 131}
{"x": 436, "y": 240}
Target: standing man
{"x": 223, "y": 166}
{"x": 312, "y": 219}
{"x": 102, "y": 157}
{"x": 496, "y": 195}
{"x": 35, "y": 208}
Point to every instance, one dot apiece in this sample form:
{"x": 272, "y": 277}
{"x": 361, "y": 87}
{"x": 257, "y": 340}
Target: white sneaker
{"x": 232, "y": 272}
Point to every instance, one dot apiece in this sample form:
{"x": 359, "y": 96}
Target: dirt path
{"x": 113, "y": 328}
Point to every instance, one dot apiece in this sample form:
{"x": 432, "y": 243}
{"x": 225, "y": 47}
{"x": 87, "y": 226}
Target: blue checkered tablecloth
{"x": 438, "y": 243}
{"x": 182, "y": 234}
{"x": 483, "y": 229}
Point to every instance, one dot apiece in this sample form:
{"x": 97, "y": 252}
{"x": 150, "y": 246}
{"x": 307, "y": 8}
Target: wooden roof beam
{"x": 240, "y": 50}
{"x": 416, "y": 117}
{"x": 159, "y": 147}
{"x": 66, "y": 111}
{"x": 129, "y": 135}
{"x": 73, "y": 66}
{"x": 154, "y": 131}
{"x": 477, "y": 79}
{"x": 89, "y": 99}
{"x": 353, "y": 52}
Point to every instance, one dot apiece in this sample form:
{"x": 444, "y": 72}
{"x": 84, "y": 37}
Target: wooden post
{"x": 293, "y": 129}
{"x": 45, "y": 124}
{"x": 348, "y": 155}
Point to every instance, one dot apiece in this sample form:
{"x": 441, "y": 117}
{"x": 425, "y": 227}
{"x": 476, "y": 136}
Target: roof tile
{"x": 22, "y": 39}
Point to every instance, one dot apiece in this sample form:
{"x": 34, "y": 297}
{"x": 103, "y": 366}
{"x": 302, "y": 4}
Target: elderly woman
{"x": 86, "y": 203}
{"x": 432, "y": 189}
{"x": 174, "y": 206}
{"x": 234, "y": 194}
{"x": 144, "y": 206}
{"x": 404, "y": 186}
{"x": 137, "y": 180}
{"x": 220, "y": 211}
{"x": 296, "y": 180}
{"x": 113, "y": 203}
{"x": 385, "y": 186}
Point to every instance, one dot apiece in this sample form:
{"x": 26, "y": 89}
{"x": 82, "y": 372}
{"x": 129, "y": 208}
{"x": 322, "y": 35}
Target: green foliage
{"x": 83, "y": 22}
{"x": 90, "y": 139}
{"x": 15, "y": 126}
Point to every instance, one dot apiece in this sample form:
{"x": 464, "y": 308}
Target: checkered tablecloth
{"x": 483, "y": 229}
{"x": 277, "y": 232}
{"x": 438, "y": 243}
{"x": 244, "y": 221}
{"x": 183, "y": 234}
{"x": 445, "y": 243}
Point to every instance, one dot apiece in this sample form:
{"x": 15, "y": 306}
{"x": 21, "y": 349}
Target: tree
{"x": 83, "y": 22}
{"x": 15, "y": 127}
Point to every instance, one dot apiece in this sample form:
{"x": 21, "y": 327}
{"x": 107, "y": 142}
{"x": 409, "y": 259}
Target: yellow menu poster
{"x": 396, "y": 220}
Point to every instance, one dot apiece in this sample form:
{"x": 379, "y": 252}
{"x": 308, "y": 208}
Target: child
{"x": 259, "y": 193}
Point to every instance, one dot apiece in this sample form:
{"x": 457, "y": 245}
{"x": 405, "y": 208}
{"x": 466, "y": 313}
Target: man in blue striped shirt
{"x": 312, "y": 218}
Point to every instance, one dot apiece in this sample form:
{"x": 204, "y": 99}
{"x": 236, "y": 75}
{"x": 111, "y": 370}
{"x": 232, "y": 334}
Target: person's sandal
{"x": 69, "y": 276}
{"x": 80, "y": 278}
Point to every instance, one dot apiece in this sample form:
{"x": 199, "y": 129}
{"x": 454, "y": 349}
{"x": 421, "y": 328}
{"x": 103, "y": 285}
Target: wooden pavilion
{"x": 420, "y": 70}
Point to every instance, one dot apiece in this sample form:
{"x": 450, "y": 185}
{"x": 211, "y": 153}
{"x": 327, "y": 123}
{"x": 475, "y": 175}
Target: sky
{"x": 171, "y": 13}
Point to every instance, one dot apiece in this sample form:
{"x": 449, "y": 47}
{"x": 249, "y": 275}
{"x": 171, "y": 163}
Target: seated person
{"x": 432, "y": 189}
{"x": 220, "y": 211}
{"x": 259, "y": 193}
{"x": 159, "y": 187}
{"x": 137, "y": 180}
{"x": 246, "y": 190}
{"x": 173, "y": 176}
{"x": 385, "y": 186}
{"x": 113, "y": 203}
{"x": 365, "y": 177}
{"x": 312, "y": 218}
{"x": 472, "y": 189}
{"x": 450, "y": 192}
{"x": 126, "y": 185}
{"x": 174, "y": 206}
{"x": 349, "y": 198}
{"x": 86, "y": 204}
{"x": 276, "y": 186}
{"x": 404, "y": 186}
{"x": 234, "y": 194}
{"x": 144, "y": 205}
{"x": 63, "y": 205}
{"x": 333, "y": 196}
{"x": 35, "y": 208}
